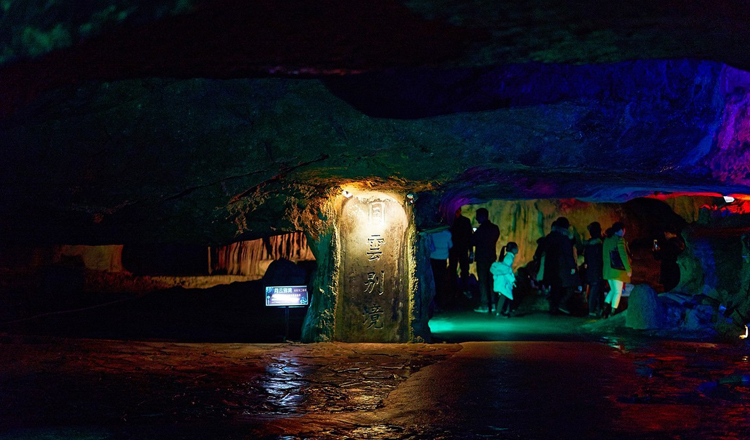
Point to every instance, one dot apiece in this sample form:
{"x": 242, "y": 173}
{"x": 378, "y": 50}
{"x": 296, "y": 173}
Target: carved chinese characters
{"x": 373, "y": 303}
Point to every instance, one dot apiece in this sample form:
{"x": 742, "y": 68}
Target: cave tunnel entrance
{"x": 217, "y": 292}
{"x": 709, "y": 223}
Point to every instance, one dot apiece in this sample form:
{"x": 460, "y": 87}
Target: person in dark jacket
{"x": 667, "y": 251}
{"x": 592, "y": 262}
{"x": 537, "y": 264}
{"x": 560, "y": 266}
{"x": 484, "y": 242}
{"x": 461, "y": 232}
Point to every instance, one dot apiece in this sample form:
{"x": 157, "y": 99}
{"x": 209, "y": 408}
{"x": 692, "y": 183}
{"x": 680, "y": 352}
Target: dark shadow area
{"x": 165, "y": 259}
{"x": 422, "y": 92}
{"x": 278, "y": 36}
{"x": 228, "y": 313}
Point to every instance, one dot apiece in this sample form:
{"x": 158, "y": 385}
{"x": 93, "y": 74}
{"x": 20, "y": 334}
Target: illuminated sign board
{"x": 286, "y": 296}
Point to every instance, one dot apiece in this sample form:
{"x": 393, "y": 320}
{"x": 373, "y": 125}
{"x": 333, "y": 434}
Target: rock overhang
{"x": 127, "y": 154}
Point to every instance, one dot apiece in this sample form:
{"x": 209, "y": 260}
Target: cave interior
{"x": 161, "y": 156}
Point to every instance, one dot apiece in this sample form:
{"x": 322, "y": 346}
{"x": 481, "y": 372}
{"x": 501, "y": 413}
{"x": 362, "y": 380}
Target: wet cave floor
{"x": 566, "y": 387}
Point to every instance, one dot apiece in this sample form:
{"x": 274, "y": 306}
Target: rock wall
{"x": 644, "y": 309}
{"x": 525, "y": 221}
{"x": 32, "y": 28}
{"x": 251, "y": 257}
{"x": 320, "y": 318}
{"x": 207, "y": 161}
{"x": 422, "y": 290}
{"x": 369, "y": 282}
{"x": 689, "y": 207}
{"x": 106, "y": 258}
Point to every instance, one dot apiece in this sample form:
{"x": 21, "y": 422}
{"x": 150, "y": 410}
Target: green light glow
{"x": 477, "y": 326}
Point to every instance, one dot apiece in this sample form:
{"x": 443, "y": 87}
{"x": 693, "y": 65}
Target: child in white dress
{"x": 504, "y": 279}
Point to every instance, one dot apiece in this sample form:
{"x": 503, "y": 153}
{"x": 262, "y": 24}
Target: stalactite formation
{"x": 252, "y": 257}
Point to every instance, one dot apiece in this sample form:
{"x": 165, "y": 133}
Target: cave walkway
{"x": 615, "y": 388}
{"x": 463, "y": 326}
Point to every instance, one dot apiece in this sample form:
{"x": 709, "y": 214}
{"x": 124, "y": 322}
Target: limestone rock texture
{"x": 196, "y": 122}
{"x": 203, "y": 123}
{"x": 645, "y": 312}
{"x": 525, "y": 221}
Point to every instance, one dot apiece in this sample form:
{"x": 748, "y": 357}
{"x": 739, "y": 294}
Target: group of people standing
{"x": 463, "y": 245}
{"x": 607, "y": 265}
{"x": 606, "y": 259}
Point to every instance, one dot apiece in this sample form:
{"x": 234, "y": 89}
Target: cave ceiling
{"x": 205, "y": 122}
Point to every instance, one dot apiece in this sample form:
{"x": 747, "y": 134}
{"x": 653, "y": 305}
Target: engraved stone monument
{"x": 373, "y": 303}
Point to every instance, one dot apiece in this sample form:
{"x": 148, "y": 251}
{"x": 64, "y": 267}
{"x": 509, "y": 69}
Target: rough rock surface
{"x": 203, "y": 123}
{"x": 644, "y": 309}
{"x": 208, "y": 161}
{"x": 162, "y": 390}
{"x": 145, "y": 126}
{"x": 525, "y": 221}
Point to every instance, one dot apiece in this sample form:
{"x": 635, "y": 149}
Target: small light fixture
{"x": 411, "y": 198}
{"x": 729, "y": 199}
{"x": 745, "y": 335}
{"x": 346, "y": 194}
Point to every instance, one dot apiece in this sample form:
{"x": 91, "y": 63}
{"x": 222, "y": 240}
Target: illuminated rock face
{"x": 373, "y": 296}
{"x": 371, "y": 283}
{"x": 215, "y": 125}
{"x": 525, "y": 221}
{"x": 252, "y": 257}
{"x": 185, "y": 165}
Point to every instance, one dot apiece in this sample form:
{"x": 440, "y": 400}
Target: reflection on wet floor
{"x": 700, "y": 387}
{"x": 617, "y": 387}
{"x": 666, "y": 397}
{"x": 283, "y": 384}
{"x": 532, "y": 326}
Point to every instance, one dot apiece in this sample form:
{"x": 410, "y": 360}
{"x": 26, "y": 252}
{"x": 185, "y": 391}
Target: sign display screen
{"x": 286, "y": 296}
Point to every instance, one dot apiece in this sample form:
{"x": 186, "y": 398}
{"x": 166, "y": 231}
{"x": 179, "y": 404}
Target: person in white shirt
{"x": 504, "y": 279}
{"x": 439, "y": 244}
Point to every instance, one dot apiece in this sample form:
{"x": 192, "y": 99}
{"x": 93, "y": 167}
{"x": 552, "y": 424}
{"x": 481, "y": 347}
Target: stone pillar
{"x": 423, "y": 291}
{"x": 374, "y": 275}
{"x": 319, "y": 320}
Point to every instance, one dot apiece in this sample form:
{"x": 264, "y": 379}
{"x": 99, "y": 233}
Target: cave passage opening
{"x": 213, "y": 292}
{"x": 526, "y": 221}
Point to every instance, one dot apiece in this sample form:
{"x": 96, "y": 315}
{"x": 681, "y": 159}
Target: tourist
{"x": 616, "y": 268}
{"x": 537, "y": 265}
{"x": 461, "y": 232}
{"x": 560, "y": 266}
{"x": 484, "y": 242}
{"x": 439, "y": 244}
{"x": 592, "y": 263}
{"x": 504, "y": 280}
{"x": 667, "y": 252}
